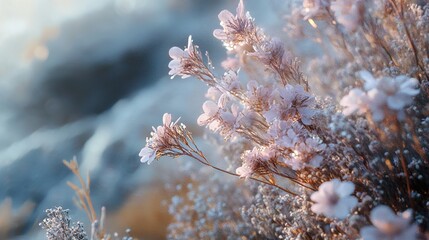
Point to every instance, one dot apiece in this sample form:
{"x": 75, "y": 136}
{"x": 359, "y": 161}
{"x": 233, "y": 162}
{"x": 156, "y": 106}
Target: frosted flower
{"x": 210, "y": 109}
{"x": 271, "y": 52}
{"x": 355, "y": 101}
{"x": 388, "y": 225}
{"x": 255, "y": 161}
{"x": 230, "y": 81}
{"x": 285, "y": 133}
{"x": 399, "y": 91}
{"x": 213, "y": 93}
{"x": 258, "y": 96}
{"x": 147, "y": 154}
{"x": 314, "y": 8}
{"x": 160, "y": 140}
{"x": 236, "y": 28}
{"x": 306, "y": 154}
{"x": 349, "y": 13}
{"x": 334, "y": 199}
{"x": 293, "y": 102}
{"x": 182, "y": 60}
{"x": 384, "y": 95}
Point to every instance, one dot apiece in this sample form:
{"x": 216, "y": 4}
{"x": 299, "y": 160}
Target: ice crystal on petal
{"x": 333, "y": 199}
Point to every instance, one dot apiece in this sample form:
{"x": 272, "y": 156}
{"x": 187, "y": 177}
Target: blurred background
{"x": 88, "y": 79}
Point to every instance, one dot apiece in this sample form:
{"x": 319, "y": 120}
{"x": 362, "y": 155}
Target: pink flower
{"x": 333, "y": 199}
{"x": 285, "y": 133}
{"x": 235, "y": 28}
{"x": 159, "y": 140}
{"x": 384, "y": 95}
{"x": 178, "y": 64}
{"x": 293, "y": 102}
{"x": 388, "y": 225}
{"x": 255, "y": 161}
{"x": 306, "y": 153}
{"x": 210, "y": 110}
{"x": 147, "y": 154}
{"x": 355, "y": 101}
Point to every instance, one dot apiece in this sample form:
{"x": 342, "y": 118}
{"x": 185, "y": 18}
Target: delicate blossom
{"x": 349, "y": 13}
{"x": 210, "y": 109}
{"x": 271, "y": 52}
{"x": 147, "y": 154}
{"x": 355, "y": 101}
{"x": 285, "y": 133}
{"x": 388, "y": 225}
{"x": 306, "y": 153}
{"x": 255, "y": 161}
{"x": 236, "y": 28}
{"x": 334, "y": 199}
{"x": 383, "y": 95}
{"x": 188, "y": 62}
{"x": 258, "y": 96}
{"x": 180, "y": 58}
{"x": 397, "y": 92}
{"x": 160, "y": 140}
{"x": 292, "y": 102}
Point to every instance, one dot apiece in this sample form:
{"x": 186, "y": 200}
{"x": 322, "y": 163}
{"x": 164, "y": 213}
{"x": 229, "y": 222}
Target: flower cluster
{"x": 333, "y": 199}
{"x": 285, "y": 130}
{"x": 58, "y": 226}
{"x": 164, "y": 140}
{"x": 388, "y": 225}
{"x": 383, "y": 96}
{"x": 238, "y": 30}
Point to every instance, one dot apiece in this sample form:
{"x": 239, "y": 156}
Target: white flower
{"x": 388, "y": 225}
{"x": 179, "y": 56}
{"x": 333, "y": 199}
{"x": 383, "y": 96}
{"x": 235, "y": 27}
{"x": 158, "y": 139}
{"x": 147, "y": 154}
{"x": 210, "y": 109}
{"x": 254, "y": 161}
{"x": 355, "y": 101}
{"x": 244, "y": 171}
{"x": 285, "y": 133}
{"x": 399, "y": 91}
{"x": 306, "y": 154}
{"x": 349, "y": 13}
{"x": 291, "y": 102}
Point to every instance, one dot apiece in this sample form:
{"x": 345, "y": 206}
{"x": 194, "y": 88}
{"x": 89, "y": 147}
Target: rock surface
{"x": 88, "y": 79}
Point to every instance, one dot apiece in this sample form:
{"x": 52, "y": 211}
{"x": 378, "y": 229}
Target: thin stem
{"x": 403, "y": 162}
{"x": 206, "y": 162}
{"x": 294, "y": 180}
